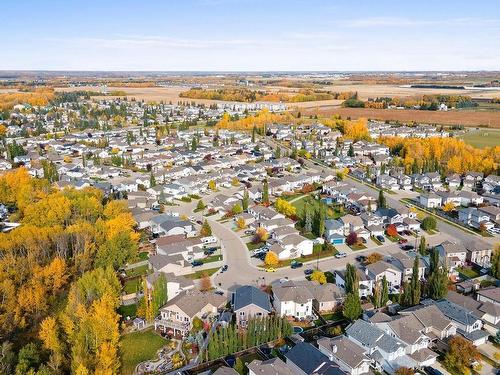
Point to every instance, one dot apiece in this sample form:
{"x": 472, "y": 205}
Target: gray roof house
{"x": 350, "y": 357}
{"x": 316, "y": 363}
{"x": 249, "y": 302}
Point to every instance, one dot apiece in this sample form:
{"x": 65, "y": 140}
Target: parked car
{"x": 270, "y": 269}
{"x": 224, "y": 268}
{"x": 407, "y": 247}
{"x": 308, "y": 272}
{"x": 249, "y": 231}
{"x": 340, "y": 254}
{"x": 402, "y": 241}
{"x": 363, "y": 240}
{"x": 432, "y": 371}
{"x": 360, "y": 258}
{"x": 294, "y": 264}
{"x": 380, "y": 238}
{"x": 196, "y": 263}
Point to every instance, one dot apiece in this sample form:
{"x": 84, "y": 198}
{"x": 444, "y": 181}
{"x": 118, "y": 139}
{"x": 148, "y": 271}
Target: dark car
{"x": 224, "y": 268}
{"x": 360, "y": 258}
{"x": 380, "y": 238}
{"x": 363, "y": 240}
{"x": 196, "y": 263}
{"x": 432, "y": 371}
{"x": 294, "y": 264}
{"x": 308, "y": 272}
{"x": 407, "y": 247}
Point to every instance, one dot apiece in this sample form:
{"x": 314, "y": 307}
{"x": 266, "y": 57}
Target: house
{"x": 250, "y": 302}
{"x": 487, "y": 311}
{"x": 351, "y": 223}
{"x": 452, "y": 255}
{"x": 489, "y": 295}
{"x": 387, "y": 182}
{"x": 176, "y": 317}
{"x": 365, "y": 282}
{"x": 264, "y": 213}
{"x": 377, "y": 271}
{"x": 478, "y": 252}
{"x": 405, "y": 263}
{"x": 316, "y": 363}
{"x": 291, "y": 299}
{"x": 468, "y": 325}
{"x": 224, "y": 370}
{"x": 326, "y": 298}
{"x": 453, "y": 181}
{"x": 390, "y": 215}
{"x": 381, "y": 347}
{"x": 435, "y": 325}
{"x": 430, "y": 200}
{"x": 273, "y": 366}
{"x": 472, "y": 179}
{"x": 169, "y": 225}
{"x": 475, "y": 218}
{"x": 334, "y": 231}
{"x": 492, "y": 212}
{"x": 350, "y": 357}
{"x": 175, "y": 284}
{"x": 293, "y": 246}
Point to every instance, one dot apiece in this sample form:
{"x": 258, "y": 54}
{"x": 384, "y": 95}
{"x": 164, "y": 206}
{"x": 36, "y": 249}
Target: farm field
{"x": 482, "y": 138}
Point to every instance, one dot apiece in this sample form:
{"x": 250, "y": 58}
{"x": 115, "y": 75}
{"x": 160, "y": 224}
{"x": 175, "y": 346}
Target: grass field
{"x": 482, "y": 138}
{"x": 202, "y": 273}
{"x": 132, "y": 285}
{"x": 138, "y": 347}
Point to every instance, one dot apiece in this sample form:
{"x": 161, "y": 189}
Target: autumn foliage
{"x": 39, "y": 97}
{"x": 258, "y": 120}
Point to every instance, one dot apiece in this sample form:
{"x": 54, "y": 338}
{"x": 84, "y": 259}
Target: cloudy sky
{"x": 251, "y": 35}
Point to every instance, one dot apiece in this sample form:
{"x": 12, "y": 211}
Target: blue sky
{"x": 234, "y": 35}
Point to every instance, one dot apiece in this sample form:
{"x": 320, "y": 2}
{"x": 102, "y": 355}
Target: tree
{"x": 318, "y": 276}
{"x": 50, "y": 336}
{"x": 391, "y": 230}
{"x": 236, "y": 209}
{"x": 434, "y": 261}
{"x": 212, "y": 185}
{"x": 422, "y": 247}
{"x": 206, "y": 229}
{"x": 245, "y": 200}
{"x": 351, "y": 279}
{"x": 352, "y": 306}
{"x": 321, "y": 219}
{"x": 351, "y": 151}
{"x": 152, "y": 180}
{"x": 307, "y": 217}
{"x": 381, "y": 199}
{"x": 254, "y": 131}
{"x": 384, "y": 296}
{"x": 352, "y": 239}
{"x": 271, "y": 259}
{"x": 450, "y": 206}
{"x": 415, "y": 291}
{"x": 460, "y": 355}
{"x": 404, "y": 371}
{"x": 277, "y": 153}
{"x": 429, "y": 223}
{"x": 495, "y": 262}
{"x": 7, "y": 358}
{"x": 373, "y": 258}
{"x": 284, "y": 207}
{"x": 265, "y": 192}
{"x": 235, "y": 181}
{"x": 261, "y": 235}
{"x": 200, "y": 206}
{"x": 437, "y": 286}
{"x": 27, "y": 359}
{"x": 241, "y": 223}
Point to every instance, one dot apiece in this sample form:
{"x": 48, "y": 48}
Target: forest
{"x": 58, "y": 286}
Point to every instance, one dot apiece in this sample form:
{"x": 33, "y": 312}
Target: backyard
{"x": 137, "y": 347}
{"x": 482, "y": 138}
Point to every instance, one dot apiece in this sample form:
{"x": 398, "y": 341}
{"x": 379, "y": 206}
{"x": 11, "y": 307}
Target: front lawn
{"x": 138, "y": 271}
{"x": 254, "y": 246}
{"x": 374, "y": 239}
{"x": 138, "y": 347}
{"x": 202, "y": 273}
{"x": 318, "y": 253}
{"x": 358, "y": 246}
{"x": 212, "y": 258}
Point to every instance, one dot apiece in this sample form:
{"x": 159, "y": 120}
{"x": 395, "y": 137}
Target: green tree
{"x": 429, "y": 223}
{"x": 495, "y": 263}
{"x": 438, "y": 284}
{"x": 152, "y": 180}
{"x": 159, "y": 295}
{"x": 27, "y": 359}
{"x": 7, "y": 358}
{"x": 351, "y": 279}
{"x": 307, "y": 219}
{"x": 434, "y": 261}
{"x": 116, "y": 251}
{"x": 245, "y": 200}
{"x": 236, "y": 209}
{"x": 200, "y": 206}
{"x": 254, "y": 131}
{"x": 277, "y": 153}
{"x": 384, "y": 298}
{"x": 351, "y": 151}
{"x": 415, "y": 283}
{"x": 206, "y": 229}
{"x": 381, "y": 199}
{"x": 352, "y": 306}
{"x": 422, "y": 246}
{"x": 321, "y": 219}
{"x": 265, "y": 192}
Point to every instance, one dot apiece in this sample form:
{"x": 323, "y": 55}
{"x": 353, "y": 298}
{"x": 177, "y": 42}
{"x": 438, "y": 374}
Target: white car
{"x": 340, "y": 254}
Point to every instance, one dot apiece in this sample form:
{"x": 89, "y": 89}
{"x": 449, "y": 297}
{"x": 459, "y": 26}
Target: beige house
{"x": 250, "y": 302}
{"x": 478, "y": 252}
{"x": 176, "y": 317}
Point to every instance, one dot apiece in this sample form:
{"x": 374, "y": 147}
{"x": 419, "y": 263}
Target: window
{"x": 242, "y": 313}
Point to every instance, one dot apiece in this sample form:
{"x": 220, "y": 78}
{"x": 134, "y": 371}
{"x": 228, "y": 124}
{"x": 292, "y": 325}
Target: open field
{"x": 466, "y": 118}
{"x": 482, "y": 138}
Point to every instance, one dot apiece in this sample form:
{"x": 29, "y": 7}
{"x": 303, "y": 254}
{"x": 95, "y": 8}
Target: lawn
{"x": 144, "y": 255}
{"x": 374, "y": 239}
{"x": 333, "y": 316}
{"x": 358, "y": 246}
{"x": 253, "y": 246}
{"x": 202, "y": 273}
{"x": 129, "y": 310}
{"x": 212, "y": 258}
{"x": 482, "y": 138}
{"x": 138, "y": 347}
{"x": 469, "y": 273}
{"x": 318, "y": 253}
{"x": 132, "y": 285}
{"x": 138, "y": 271}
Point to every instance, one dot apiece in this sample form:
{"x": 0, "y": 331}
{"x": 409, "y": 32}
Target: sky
{"x": 250, "y": 35}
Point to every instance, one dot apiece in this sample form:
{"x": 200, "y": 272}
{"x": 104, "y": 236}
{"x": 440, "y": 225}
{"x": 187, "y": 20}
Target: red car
{"x": 403, "y": 240}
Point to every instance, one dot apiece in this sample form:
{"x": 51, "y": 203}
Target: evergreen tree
{"x": 415, "y": 283}
{"x": 245, "y": 201}
{"x": 405, "y": 297}
{"x": 307, "y": 219}
{"x": 265, "y": 192}
{"x": 277, "y": 153}
{"x": 422, "y": 247}
{"x": 254, "y": 130}
{"x": 321, "y": 219}
{"x": 351, "y": 151}
{"x": 434, "y": 261}
{"x": 438, "y": 284}
{"x": 384, "y": 298}
{"x": 381, "y": 199}
{"x": 351, "y": 279}
{"x": 152, "y": 180}
{"x": 352, "y": 306}
{"x": 206, "y": 229}
{"x": 200, "y": 205}
{"x": 194, "y": 144}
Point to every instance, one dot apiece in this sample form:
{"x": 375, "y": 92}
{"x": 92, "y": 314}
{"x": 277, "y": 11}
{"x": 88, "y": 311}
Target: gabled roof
{"x": 372, "y": 336}
{"x": 247, "y": 295}
{"x": 274, "y": 366}
{"x": 346, "y": 350}
{"x": 316, "y": 362}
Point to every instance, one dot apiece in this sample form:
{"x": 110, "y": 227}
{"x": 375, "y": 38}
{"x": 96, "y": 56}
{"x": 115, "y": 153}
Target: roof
{"x": 248, "y": 295}
{"x": 407, "y": 328}
{"x": 372, "y": 337}
{"x": 304, "y": 350}
{"x": 451, "y": 247}
{"x": 380, "y": 267}
{"x": 192, "y": 302}
{"x": 274, "y": 366}
{"x": 346, "y": 350}
{"x": 491, "y": 293}
{"x": 477, "y": 245}
{"x": 430, "y": 316}
{"x": 223, "y": 370}
{"x": 290, "y": 291}
{"x": 477, "y": 308}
